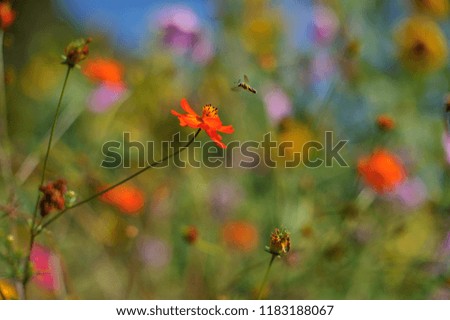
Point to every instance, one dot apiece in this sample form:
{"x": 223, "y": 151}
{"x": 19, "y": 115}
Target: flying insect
{"x": 244, "y": 85}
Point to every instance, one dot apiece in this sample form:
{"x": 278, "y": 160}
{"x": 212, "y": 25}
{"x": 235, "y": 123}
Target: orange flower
{"x": 104, "y": 70}
{"x": 382, "y": 171}
{"x": 240, "y": 235}
{"x": 8, "y": 290}
{"x": 128, "y": 199}
{"x": 385, "y": 122}
{"x": 209, "y": 121}
{"x": 7, "y": 15}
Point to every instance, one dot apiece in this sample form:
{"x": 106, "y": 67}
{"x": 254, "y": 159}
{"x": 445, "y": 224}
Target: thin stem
{"x": 26, "y": 271}
{"x": 152, "y": 165}
{"x": 26, "y": 274}
{"x": 266, "y": 276}
{"x": 5, "y": 157}
{"x": 50, "y": 140}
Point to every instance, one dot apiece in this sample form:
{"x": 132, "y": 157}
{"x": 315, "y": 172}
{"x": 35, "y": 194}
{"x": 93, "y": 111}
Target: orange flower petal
{"x": 215, "y": 137}
{"x": 226, "y": 129}
{"x": 216, "y": 124}
{"x": 187, "y": 120}
{"x": 186, "y": 107}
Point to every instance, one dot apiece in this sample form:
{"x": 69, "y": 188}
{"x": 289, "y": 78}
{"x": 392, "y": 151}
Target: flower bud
{"x": 70, "y": 197}
{"x": 76, "y": 51}
{"x": 385, "y": 123}
{"x": 280, "y": 242}
{"x": 190, "y": 234}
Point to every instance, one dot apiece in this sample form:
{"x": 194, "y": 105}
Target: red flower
{"x": 53, "y": 198}
{"x": 127, "y": 198}
{"x": 209, "y": 121}
{"x": 382, "y": 171}
{"x": 7, "y": 15}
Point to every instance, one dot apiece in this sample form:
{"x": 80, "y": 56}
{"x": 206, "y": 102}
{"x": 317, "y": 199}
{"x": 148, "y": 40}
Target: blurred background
{"x": 374, "y": 73}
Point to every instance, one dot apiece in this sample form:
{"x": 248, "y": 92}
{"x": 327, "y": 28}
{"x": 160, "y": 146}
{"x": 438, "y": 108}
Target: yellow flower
{"x": 262, "y": 26}
{"x": 260, "y": 34}
{"x": 8, "y": 291}
{"x": 291, "y": 139}
{"x": 422, "y": 47}
{"x": 437, "y": 8}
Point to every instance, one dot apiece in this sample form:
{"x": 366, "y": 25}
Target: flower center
{"x": 419, "y": 48}
{"x": 210, "y": 111}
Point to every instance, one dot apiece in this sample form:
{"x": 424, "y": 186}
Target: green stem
{"x": 50, "y": 140}
{"x": 152, "y": 165}
{"x": 266, "y": 276}
{"x": 5, "y": 157}
{"x": 26, "y": 272}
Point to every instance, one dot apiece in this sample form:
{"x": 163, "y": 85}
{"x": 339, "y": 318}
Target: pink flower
{"x": 203, "y": 50}
{"x": 183, "y": 34}
{"x": 46, "y": 267}
{"x": 180, "y": 28}
{"x": 278, "y": 104}
{"x": 412, "y": 193}
{"x": 106, "y": 96}
{"x": 325, "y": 25}
{"x": 154, "y": 252}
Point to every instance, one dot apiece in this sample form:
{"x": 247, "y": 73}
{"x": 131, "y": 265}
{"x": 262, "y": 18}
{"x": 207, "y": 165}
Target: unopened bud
{"x": 280, "y": 242}
{"x": 76, "y": 51}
